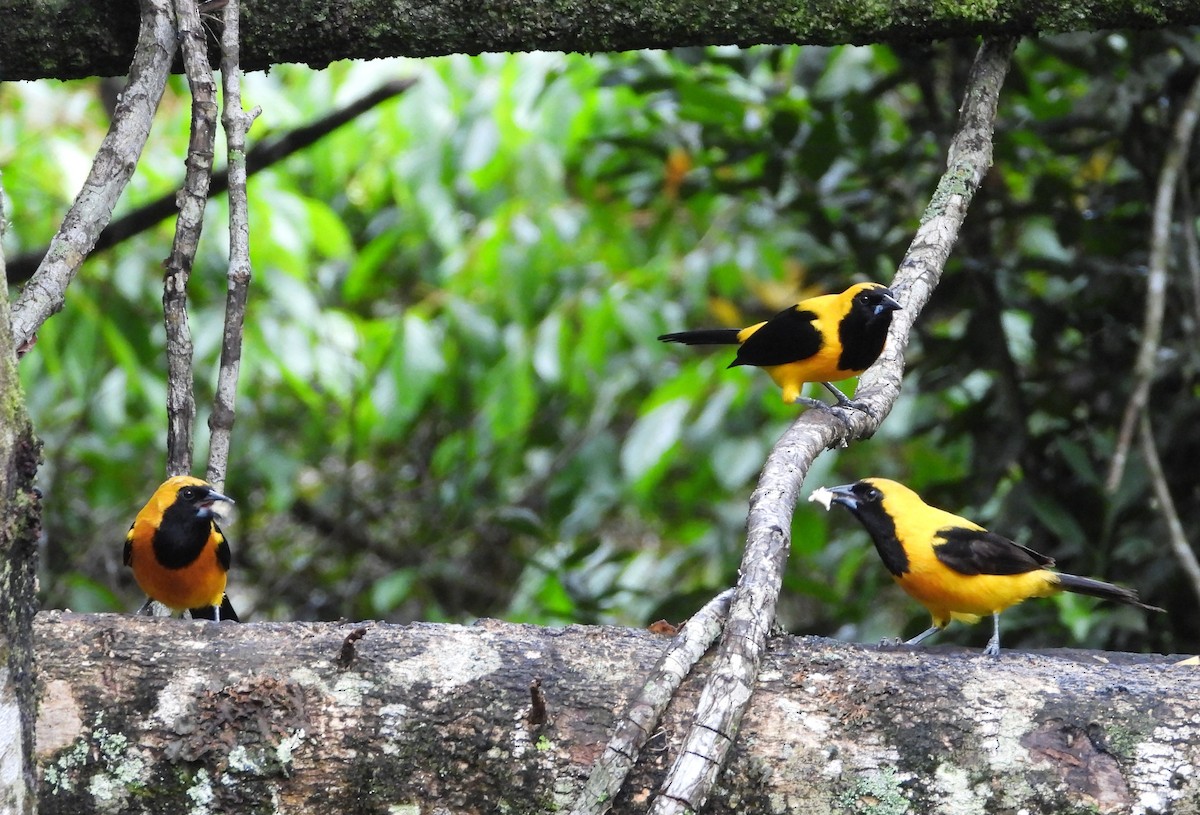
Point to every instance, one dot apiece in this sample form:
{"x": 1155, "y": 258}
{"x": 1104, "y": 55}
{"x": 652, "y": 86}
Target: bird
{"x": 953, "y": 567}
{"x": 822, "y": 339}
{"x": 179, "y": 556}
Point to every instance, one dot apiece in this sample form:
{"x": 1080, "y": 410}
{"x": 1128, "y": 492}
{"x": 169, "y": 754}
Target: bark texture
{"x": 153, "y": 716}
{"x": 20, "y": 516}
{"x": 70, "y": 40}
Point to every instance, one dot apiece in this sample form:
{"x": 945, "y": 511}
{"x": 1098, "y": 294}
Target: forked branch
{"x": 236, "y": 122}
{"x": 727, "y": 693}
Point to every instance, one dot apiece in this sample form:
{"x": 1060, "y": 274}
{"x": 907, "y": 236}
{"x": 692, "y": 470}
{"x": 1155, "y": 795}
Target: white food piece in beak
{"x": 822, "y": 496}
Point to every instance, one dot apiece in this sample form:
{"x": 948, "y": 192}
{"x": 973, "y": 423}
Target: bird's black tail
{"x": 1105, "y": 591}
{"x": 705, "y": 336}
{"x": 207, "y": 612}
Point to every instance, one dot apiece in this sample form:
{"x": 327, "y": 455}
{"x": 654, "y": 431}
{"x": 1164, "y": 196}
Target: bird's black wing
{"x": 789, "y": 336}
{"x": 977, "y": 551}
{"x": 224, "y": 556}
{"x": 127, "y": 555}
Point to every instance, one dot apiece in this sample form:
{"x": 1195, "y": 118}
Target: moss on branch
{"x": 70, "y": 40}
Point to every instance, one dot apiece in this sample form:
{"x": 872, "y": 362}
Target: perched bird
{"x": 178, "y": 554}
{"x": 822, "y": 339}
{"x": 955, "y": 568}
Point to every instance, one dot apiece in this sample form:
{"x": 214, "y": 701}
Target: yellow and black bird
{"x": 178, "y": 554}
{"x": 822, "y": 339}
{"x": 955, "y": 568}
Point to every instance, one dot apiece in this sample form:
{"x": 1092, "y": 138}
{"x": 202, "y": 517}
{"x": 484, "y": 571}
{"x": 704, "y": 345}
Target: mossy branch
{"x": 40, "y": 40}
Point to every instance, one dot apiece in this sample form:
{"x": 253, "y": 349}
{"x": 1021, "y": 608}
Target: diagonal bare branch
{"x": 1180, "y": 546}
{"x": 1156, "y": 282}
{"x": 727, "y": 694}
{"x": 236, "y": 122}
{"x": 115, "y": 161}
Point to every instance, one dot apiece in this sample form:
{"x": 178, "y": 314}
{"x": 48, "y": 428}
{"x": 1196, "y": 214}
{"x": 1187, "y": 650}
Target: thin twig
{"x": 261, "y": 156}
{"x": 1187, "y": 220}
{"x": 236, "y": 122}
{"x": 724, "y": 699}
{"x": 181, "y": 404}
{"x": 114, "y": 164}
{"x": 1156, "y": 282}
{"x": 1166, "y": 505}
{"x": 638, "y": 722}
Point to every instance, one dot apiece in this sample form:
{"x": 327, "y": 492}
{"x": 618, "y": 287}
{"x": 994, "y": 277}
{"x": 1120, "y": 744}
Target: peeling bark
{"x": 152, "y": 715}
{"x": 44, "y": 40}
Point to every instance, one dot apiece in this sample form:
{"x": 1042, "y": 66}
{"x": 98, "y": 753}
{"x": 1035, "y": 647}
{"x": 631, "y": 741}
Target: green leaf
{"x": 390, "y": 591}
{"x": 736, "y": 461}
{"x": 651, "y": 436}
{"x": 1057, "y": 519}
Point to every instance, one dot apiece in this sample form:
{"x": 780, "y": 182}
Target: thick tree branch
{"x": 152, "y": 715}
{"x": 114, "y": 164}
{"x": 236, "y": 122}
{"x": 96, "y": 38}
{"x": 715, "y": 728}
{"x": 1146, "y": 366}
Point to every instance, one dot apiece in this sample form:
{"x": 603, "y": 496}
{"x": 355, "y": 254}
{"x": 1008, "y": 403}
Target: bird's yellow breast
{"x": 820, "y": 367}
{"x": 943, "y": 591}
{"x": 948, "y": 594}
{"x": 199, "y": 583}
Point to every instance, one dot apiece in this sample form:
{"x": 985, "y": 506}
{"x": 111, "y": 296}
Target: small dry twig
{"x": 1156, "y": 282}
{"x": 346, "y": 653}
{"x": 1166, "y": 505}
{"x": 1187, "y": 218}
{"x": 538, "y": 714}
{"x": 115, "y": 161}
{"x": 236, "y": 122}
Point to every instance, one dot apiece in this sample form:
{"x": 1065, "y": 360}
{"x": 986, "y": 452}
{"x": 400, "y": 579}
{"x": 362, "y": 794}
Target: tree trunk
{"x": 164, "y": 716}
{"x": 44, "y": 40}
{"x": 20, "y": 516}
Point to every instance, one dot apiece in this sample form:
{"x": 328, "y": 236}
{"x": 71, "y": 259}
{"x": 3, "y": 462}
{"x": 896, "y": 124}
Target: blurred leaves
{"x": 452, "y": 402}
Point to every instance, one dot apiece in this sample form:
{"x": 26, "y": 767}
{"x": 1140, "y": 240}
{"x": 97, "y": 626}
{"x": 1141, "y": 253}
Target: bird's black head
{"x": 865, "y": 500}
{"x": 199, "y": 498}
{"x": 861, "y": 497}
{"x": 874, "y": 302}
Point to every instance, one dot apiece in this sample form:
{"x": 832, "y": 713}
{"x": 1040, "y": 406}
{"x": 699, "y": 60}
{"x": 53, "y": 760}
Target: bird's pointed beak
{"x": 887, "y": 303}
{"x": 214, "y": 497}
{"x": 844, "y": 495}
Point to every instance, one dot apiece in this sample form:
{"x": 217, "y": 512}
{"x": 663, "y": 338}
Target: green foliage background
{"x": 452, "y": 401}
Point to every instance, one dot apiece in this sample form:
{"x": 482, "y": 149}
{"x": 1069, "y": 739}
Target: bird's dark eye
{"x": 869, "y": 493}
{"x": 188, "y": 493}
